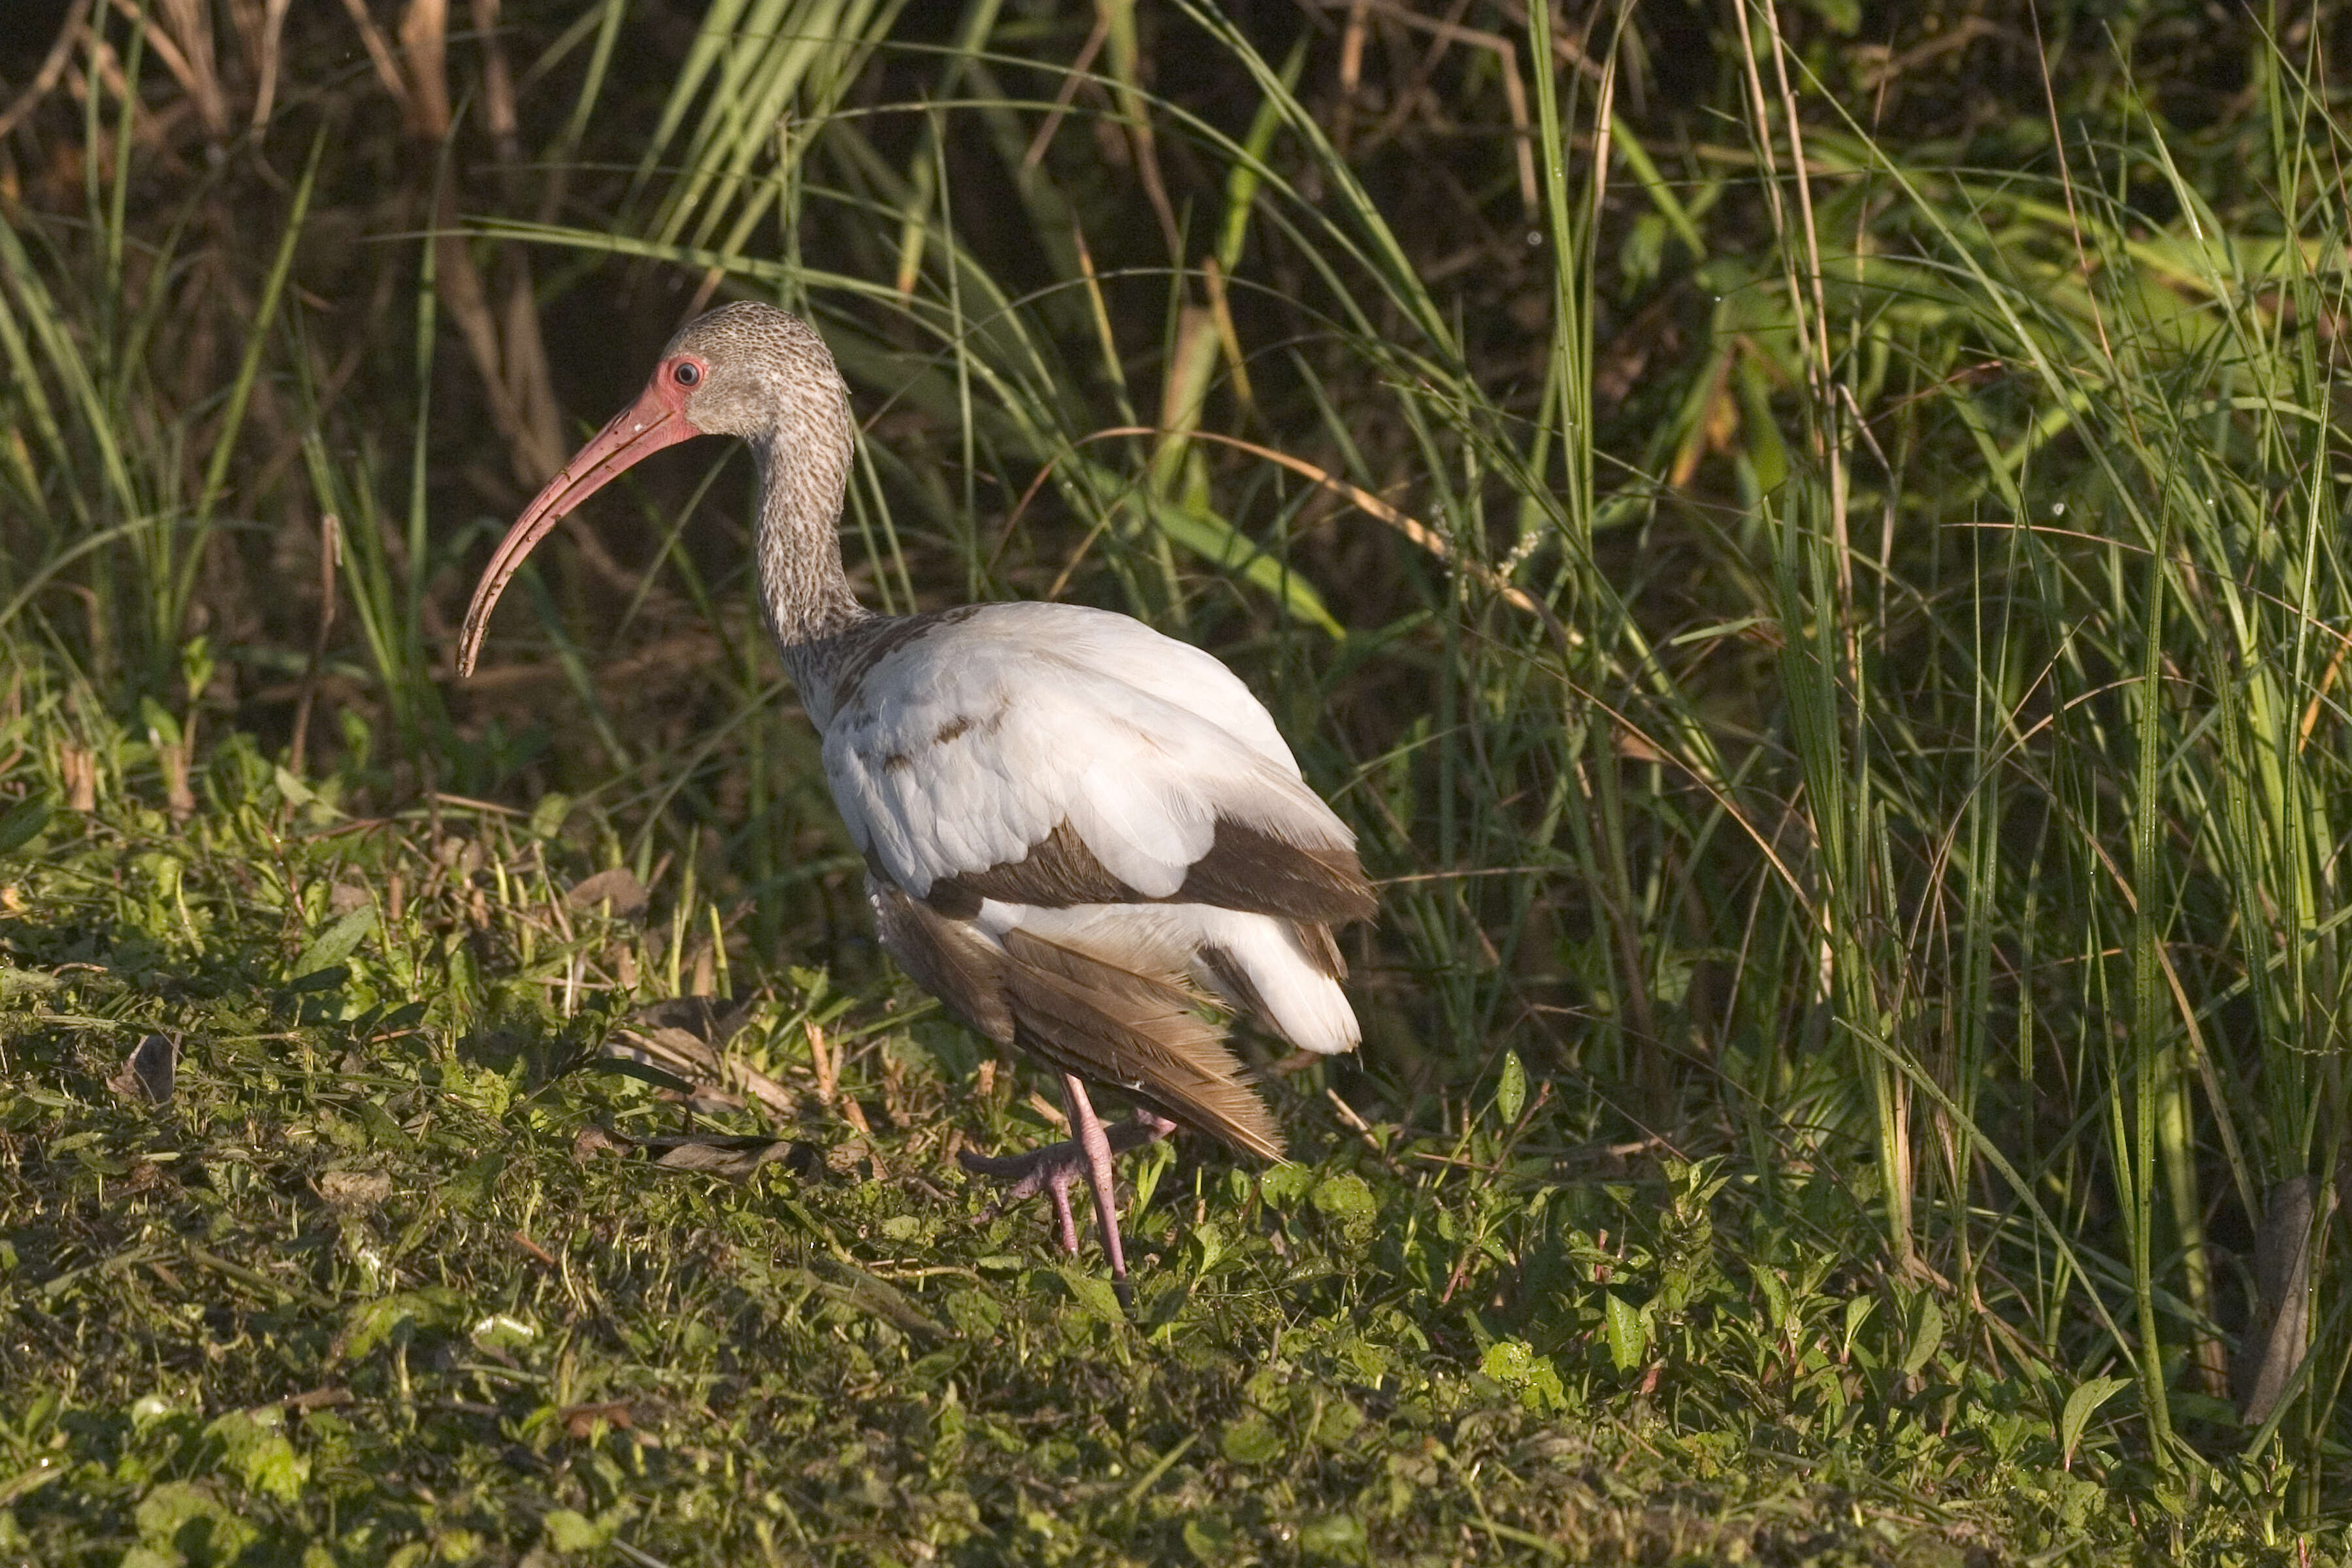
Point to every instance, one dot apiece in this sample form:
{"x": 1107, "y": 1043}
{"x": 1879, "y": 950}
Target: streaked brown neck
{"x": 803, "y": 588}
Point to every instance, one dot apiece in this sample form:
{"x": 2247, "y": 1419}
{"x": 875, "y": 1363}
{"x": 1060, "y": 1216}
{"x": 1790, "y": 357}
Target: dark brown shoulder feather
{"x": 1247, "y": 869}
{"x": 1058, "y": 871}
{"x": 1244, "y": 869}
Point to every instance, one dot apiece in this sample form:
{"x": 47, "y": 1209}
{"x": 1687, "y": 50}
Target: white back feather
{"x": 967, "y": 746}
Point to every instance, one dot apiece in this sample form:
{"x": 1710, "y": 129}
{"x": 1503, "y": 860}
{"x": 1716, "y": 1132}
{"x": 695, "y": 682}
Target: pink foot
{"x": 1055, "y": 1168}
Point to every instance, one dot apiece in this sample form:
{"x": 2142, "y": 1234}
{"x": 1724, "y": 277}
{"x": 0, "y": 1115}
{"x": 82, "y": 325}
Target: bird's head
{"x": 746, "y": 369}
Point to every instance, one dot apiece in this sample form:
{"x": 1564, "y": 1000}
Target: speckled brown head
{"x": 746, "y": 369}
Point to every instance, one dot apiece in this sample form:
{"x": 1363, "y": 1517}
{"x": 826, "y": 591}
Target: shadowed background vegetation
{"x": 1808, "y": 543}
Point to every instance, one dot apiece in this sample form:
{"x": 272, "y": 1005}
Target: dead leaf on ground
{"x": 703, "y": 1101}
{"x": 682, "y": 1040}
{"x": 843, "y": 1158}
{"x": 593, "y": 1140}
{"x": 324, "y": 1398}
{"x": 355, "y": 1189}
{"x": 619, "y": 888}
{"x": 580, "y": 1421}
{"x": 702, "y": 1153}
{"x": 735, "y": 1158}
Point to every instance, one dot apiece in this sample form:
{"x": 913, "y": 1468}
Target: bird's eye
{"x": 686, "y": 373}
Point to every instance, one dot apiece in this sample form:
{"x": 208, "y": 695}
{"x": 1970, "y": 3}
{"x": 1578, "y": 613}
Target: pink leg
{"x": 1094, "y": 1143}
{"x": 1053, "y": 1169}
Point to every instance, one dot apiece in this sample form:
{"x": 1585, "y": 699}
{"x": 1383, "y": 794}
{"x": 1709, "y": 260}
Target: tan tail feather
{"x": 1084, "y": 1014}
{"x": 1137, "y": 1032}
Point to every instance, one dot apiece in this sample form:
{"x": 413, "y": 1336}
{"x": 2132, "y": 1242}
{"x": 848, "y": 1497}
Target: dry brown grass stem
{"x": 44, "y": 80}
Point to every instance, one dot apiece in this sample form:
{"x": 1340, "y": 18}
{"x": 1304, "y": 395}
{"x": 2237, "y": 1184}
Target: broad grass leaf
{"x": 335, "y": 943}
{"x": 2080, "y": 1405}
{"x": 1927, "y": 1335}
{"x": 410, "y": 1312}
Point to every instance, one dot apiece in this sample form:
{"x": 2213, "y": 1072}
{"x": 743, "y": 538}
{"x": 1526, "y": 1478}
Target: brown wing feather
{"x": 1086, "y": 1013}
{"x": 1244, "y": 869}
{"x": 1265, "y": 875}
{"x": 947, "y": 958}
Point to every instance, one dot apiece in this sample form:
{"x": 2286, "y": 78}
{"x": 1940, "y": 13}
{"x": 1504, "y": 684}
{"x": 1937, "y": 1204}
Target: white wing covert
{"x": 969, "y": 748}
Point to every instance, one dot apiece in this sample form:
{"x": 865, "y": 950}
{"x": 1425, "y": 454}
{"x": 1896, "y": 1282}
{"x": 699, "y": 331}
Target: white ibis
{"x": 1079, "y": 834}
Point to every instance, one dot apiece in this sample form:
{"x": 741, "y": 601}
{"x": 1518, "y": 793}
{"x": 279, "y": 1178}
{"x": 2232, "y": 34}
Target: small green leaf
{"x": 570, "y": 1531}
{"x": 1209, "y": 1538}
{"x": 412, "y": 1311}
{"x": 1534, "y": 1378}
{"x": 1282, "y": 1186}
{"x": 1095, "y": 1293}
{"x": 503, "y": 1331}
{"x": 1208, "y": 1245}
{"x": 1512, "y": 1094}
{"x": 181, "y": 1520}
{"x": 469, "y": 1186}
{"x": 162, "y": 728}
{"x": 1251, "y": 1440}
{"x": 255, "y": 1445}
{"x": 547, "y": 816}
{"x": 1629, "y": 1336}
{"x": 1927, "y": 1336}
{"x": 1347, "y": 1199}
{"x": 294, "y": 791}
{"x": 22, "y": 824}
{"x": 1857, "y": 1312}
{"x": 337, "y": 942}
{"x": 1333, "y": 1535}
{"x": 2080, "y": 1405}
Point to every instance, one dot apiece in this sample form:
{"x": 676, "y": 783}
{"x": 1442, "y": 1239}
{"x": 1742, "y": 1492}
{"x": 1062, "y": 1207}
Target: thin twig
{"x": 1417, "y": 532}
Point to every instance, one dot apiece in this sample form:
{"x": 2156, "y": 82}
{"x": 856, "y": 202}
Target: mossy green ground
{"x": 371, "y": 1288}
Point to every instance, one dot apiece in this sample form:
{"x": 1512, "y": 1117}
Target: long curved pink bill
{"x": 644, "y": 427}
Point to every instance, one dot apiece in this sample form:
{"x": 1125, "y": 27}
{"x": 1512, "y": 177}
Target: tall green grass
{"x": 1897, "y": 732}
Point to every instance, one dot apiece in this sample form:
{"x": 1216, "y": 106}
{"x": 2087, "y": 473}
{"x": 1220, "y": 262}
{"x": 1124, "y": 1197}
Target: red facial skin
{"x": 656, "y": 419}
